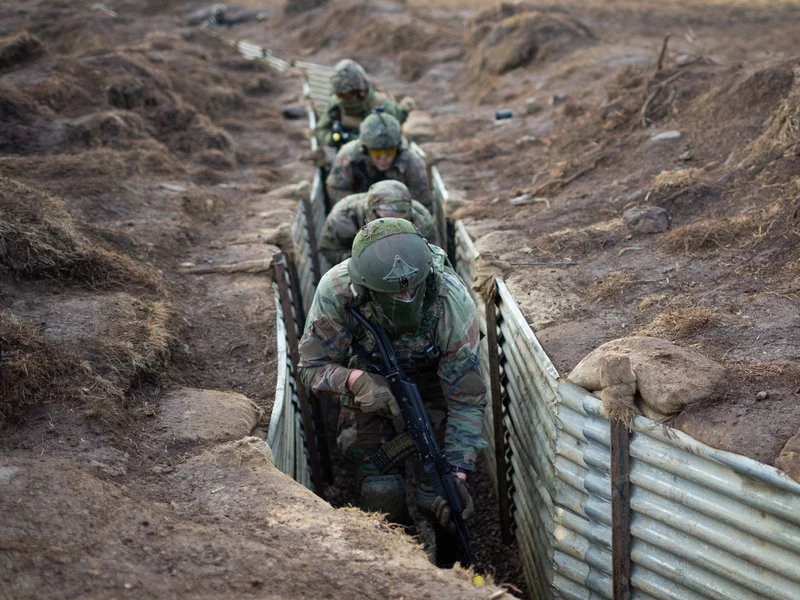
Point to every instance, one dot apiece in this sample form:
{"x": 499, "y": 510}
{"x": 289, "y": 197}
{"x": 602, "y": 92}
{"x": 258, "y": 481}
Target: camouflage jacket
{"x": 350, "y": 214}
{"x": 450, "y": 322}
{"x": 353, "y": 173}
{"x": 350, "y": 123}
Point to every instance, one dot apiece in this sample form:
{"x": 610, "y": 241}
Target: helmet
{"x": 349, "y": 77}
{"x": 391, "y": 196}
{"x": 393, "y": 261}
{"x": 380, "y": 131}
{"x": 389, "y": 256}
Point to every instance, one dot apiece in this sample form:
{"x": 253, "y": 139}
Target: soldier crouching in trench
{"x": 384, "y": 199}
{"x": 379, "y": 153}
{"x": 407, "y": 286}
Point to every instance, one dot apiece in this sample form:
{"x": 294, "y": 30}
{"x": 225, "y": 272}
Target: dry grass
{"x": 741, "y": 231}
{"x": 784, "y": 126}
{"x": 613, "y": 285}
{"x": 36, "y": 372}
{"x": 672, "y": 180}
{"x": 677, "y": 323}
{"x": 755, "y": 372}
{"x": 140, "y": 343}
{"x": 569, "y": 243}
{"x": 39, "y": 238}
{"x": 650, "y": 300}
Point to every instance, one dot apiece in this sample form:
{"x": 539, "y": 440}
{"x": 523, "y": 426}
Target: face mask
{"x": 352, "y": 106}
{"x": 399, "y": 316}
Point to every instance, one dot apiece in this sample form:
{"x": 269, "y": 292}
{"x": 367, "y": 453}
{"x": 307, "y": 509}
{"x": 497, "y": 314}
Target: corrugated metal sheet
{"x": 252, "y": 51}
{"x": 285, "y": 434}
{"x": 316, "y": 85}
{"x": 705, "y": 523}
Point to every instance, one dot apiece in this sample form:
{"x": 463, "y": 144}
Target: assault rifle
{"x": 418, "y": 424}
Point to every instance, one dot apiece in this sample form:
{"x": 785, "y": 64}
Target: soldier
{"x": 354, "y": 97}
{"x": 379, "y": 153}
{"x": 434, "y": 329}
{"x": 385, "y": 199}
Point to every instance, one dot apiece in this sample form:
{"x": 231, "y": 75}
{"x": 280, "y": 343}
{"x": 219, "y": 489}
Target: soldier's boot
{"x": 386, "y": 494}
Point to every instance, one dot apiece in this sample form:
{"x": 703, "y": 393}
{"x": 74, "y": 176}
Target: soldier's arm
{"x": 324, "y": 129}
{"x": 460, "y": 375}
{"x": 337, "y": 234}
{"x": 417, "y": 180}
{"x": 327, "y": 338}
{"x": 340, "y": 180}
{"x": 394, "y": 109}
{"x": 423, "y": 221}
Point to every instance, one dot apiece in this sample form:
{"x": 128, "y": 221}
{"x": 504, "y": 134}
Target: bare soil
{"x": 136, "y": 149}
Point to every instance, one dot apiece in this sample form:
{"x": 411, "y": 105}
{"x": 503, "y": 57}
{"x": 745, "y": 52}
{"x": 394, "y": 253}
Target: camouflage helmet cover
{"x": 349, "y": 77}
{"x": 389, "y": 195}
{"x": 389, "y": 256}
{"x": 380, "y": 131}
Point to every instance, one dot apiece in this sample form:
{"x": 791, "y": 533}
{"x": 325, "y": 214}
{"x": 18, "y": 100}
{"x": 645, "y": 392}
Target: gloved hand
{"x": 372, "y": 394}
{"x": 443, "y": 513}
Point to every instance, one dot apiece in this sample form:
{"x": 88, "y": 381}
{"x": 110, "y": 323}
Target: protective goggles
{"x": 383, "y": 153}
{"x": 358, "y": 95}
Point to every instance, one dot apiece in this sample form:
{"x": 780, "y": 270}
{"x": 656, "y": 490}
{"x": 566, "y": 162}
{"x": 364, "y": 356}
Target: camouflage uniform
{"x": 353, "y": 172}
{"x": 452, "y": 385}
{"x": 351, "y": 214}
{"x": 351, "y": 77}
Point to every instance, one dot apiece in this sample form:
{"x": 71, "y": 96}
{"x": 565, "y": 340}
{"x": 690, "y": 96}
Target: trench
{"x": 595, "y": 510}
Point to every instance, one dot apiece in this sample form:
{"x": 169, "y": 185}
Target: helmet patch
{"x": 400, "y": 273}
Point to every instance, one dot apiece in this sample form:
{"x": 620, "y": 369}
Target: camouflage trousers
{"x": 360, "y": 435}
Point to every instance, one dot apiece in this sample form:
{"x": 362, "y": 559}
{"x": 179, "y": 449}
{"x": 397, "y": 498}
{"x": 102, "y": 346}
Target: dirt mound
{"x": 521, "y": 39}
{"x": 784, "y": 125}
{"x": 111, "y": 128}
{"x": 22, "y": 131}
{"x": 229, "y": 525}
{"x": 36, "y": 372}
{"x": 19, "y": 48}
{"x": 39, "y": 238}
{"x": 331, "y": 25}
{"x": 393, "y": 34}
{"x": 87, "y": 348}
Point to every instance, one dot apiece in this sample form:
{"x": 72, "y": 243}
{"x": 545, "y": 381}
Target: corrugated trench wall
{"x": 696, "y": 522}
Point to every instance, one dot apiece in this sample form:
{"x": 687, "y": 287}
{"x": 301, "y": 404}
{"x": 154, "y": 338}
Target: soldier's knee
{"x": 386, "y": 494}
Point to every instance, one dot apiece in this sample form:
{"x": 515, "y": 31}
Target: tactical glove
{"x": 442, "y": 512}
{"x": 372, "y": 394}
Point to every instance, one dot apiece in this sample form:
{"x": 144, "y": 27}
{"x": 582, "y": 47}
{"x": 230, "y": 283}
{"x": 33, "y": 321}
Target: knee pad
{"x": 386, "y": 494}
